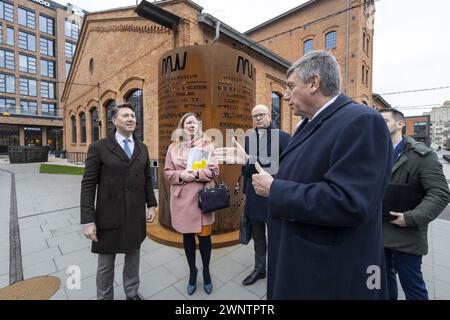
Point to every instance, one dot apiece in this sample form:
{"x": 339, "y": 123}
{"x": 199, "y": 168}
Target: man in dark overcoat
{"x": 264, "y": 144}
{"x": 115, "y": 190}
{"x": 328, "y": 190}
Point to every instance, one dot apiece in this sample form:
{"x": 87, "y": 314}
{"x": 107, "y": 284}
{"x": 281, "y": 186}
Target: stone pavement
{"x": 50, "y": 242}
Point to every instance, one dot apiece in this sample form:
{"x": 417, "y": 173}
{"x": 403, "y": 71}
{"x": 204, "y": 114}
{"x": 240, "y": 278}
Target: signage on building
{"x": 75, "y": 10}
{"x": 42, "y": 2}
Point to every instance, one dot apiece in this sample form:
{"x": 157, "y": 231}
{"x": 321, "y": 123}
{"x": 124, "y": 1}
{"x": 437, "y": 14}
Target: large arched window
{"x": 330, "y": 40}
{"x": 135, "y": 97}
{"x": 109, "y": 106}
{"x": 95, "y": 130}
{"x": 83, "y": 127}
{"x": 74, "y": 129}
{"x": 276, "y": 110}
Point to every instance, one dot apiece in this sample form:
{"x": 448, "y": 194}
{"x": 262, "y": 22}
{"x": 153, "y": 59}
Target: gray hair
{"x": 323, "y": 64}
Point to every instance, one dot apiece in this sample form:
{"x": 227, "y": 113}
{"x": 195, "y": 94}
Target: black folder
{"x": 400, "y": 197}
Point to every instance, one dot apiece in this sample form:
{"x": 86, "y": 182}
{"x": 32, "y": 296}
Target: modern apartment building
{"x": 37, "y": 43}
{"x": 440, "y": 126}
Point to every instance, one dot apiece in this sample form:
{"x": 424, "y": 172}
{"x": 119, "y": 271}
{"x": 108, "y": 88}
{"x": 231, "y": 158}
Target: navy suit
{"x": 328, "y": 194}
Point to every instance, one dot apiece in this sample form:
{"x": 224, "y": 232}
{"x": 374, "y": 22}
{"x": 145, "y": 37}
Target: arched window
{"x": 368, "y": 48}
{"x": 367, "y": 77}
{"x": 276, "y": 110}
{"x": 95, "y": 130}
{"x": 363, "y": 74}
{"x": 83, "y": 127}
{"x": 74, "y": 129}
{"x": 307, "y": 46}
{"x": 109, "y": 106}
{"x": 330, "y": 40}
{"x": 135, "y": 97}
{"x": 364, "y": 41}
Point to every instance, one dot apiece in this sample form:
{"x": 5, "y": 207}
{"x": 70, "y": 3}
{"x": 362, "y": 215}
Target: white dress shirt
{"x": 326, "y": 105}
{"x": 319, "y": 111}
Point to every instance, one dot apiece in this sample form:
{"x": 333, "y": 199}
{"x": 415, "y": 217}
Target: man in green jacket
{"x": 405, "y": 233}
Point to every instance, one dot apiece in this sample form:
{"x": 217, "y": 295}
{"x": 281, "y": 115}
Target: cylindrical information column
{"x": 218, "y": 84}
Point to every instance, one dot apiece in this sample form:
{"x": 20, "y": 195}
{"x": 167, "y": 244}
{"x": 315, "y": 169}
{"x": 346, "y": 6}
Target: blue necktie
{"x": 398, "y": 150}
{"x": 126, "y": 148}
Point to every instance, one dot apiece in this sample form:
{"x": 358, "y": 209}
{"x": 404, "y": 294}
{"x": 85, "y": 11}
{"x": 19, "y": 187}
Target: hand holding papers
{"x": 198, "y": 159}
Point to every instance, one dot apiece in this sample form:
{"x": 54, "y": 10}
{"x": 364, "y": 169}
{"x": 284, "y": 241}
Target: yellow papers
{"x": 198, "y": 159}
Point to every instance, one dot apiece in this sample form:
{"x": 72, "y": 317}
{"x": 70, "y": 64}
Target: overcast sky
{"x": 411, "y": 45}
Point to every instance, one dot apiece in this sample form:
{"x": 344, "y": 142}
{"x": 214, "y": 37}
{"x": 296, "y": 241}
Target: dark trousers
{"x": 105, "y": 275}
{"x": 260, "y": 244}
{"x": 408, "y": 267}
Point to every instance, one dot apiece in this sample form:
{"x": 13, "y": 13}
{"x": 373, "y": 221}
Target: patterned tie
{"x": 126, "y": 148}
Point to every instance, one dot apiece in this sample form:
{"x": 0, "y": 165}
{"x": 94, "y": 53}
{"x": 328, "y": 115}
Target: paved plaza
{"x": 50, "y": 241}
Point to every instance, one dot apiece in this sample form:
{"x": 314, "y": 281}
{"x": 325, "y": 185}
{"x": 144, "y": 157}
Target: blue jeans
{"x": 408, "y": 267}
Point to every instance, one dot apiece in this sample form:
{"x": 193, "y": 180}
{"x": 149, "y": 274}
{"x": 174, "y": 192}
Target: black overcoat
{"x": 123, "y": 187}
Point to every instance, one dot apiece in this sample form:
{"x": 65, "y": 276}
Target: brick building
{"x": 37, "y": 42}
{"x": 378, "y": 102}
{"x": 345, "y": 27}
{"x": 418, "y": 127}
{"x": 119, "y": 51}
{"x": 117, "y": 61}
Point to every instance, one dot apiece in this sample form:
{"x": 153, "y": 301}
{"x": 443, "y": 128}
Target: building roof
{"x": 189, "y": 2}
{"x": 242, "y": 39}
{"x": 49, "y": 4}
{"x": 378, "y": 97}
{"x": 281, "y": 16}
{"x": 155, "y": 13}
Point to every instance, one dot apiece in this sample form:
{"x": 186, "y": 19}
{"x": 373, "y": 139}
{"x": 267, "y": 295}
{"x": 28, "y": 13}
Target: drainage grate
{"x": 39, "y": 288}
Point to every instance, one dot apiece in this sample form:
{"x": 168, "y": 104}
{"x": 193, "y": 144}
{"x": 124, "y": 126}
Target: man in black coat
{"x": 328, "y": 191}
{"x": 264, "y": 144}
{"x": 117, "y": 170}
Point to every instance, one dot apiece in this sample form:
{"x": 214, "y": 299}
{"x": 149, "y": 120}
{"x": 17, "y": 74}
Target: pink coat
{"x": 184, "y": 211}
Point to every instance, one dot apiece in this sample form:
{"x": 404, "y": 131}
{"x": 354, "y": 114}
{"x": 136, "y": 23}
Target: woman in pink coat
{"x": 185, "y": 183}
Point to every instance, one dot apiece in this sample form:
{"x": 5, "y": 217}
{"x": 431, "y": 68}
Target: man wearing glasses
{"x": 264, "y": 144}
{"x": 328, "y": 191}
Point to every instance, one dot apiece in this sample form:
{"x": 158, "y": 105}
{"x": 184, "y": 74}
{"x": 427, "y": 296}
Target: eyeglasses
{"x": 259, "y": 115}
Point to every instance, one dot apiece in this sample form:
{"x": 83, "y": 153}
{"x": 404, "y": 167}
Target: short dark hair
{"x": 116, "y": 109}
{"x": 397, "y": 115}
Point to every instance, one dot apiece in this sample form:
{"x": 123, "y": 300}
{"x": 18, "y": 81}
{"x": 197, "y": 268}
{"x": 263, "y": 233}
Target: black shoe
{"x": 136, "y": 297}
{"x": 251, "y": 279}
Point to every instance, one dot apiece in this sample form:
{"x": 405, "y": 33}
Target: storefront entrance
{"x": 9, "y": 136}
{"x": 33, "y": 136}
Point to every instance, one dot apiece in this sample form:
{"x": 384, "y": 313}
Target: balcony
{"x": 35, "y": 113}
